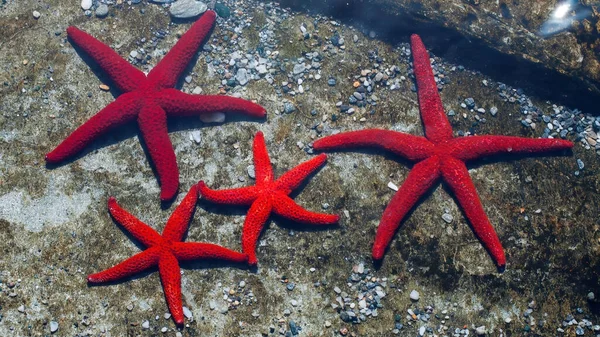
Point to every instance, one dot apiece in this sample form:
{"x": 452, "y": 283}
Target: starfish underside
{"x": 438, "y": 156}
{"x": 164, "y": 251}
{"x": 269, "y": 196}
{"x": 149, "y": 100}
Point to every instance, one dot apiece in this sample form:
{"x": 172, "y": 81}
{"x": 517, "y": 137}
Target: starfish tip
{"x": 210, "y": 13}
{"x": 178, "y": 320}
{"x": 415, "y": 38}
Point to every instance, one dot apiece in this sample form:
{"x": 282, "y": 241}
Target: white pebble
{"x": 86, "y": 4}
{"x": 480, "y": 331}
{"x": 53, "y": 326}
{"x": 392, "y": 186}
{"x": 36, "y": 15}
{"x": 414, "y": 295}
{"x": 187, "y": 313}
{"x": 146, "y": 325}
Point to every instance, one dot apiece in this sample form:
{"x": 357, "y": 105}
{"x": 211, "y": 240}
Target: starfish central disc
{"x": 149, "y": 100}
{"x": 438, "y": 156}
{"x": 269, "y": 196}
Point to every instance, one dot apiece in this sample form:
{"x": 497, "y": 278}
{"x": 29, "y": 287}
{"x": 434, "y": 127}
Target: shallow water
{"x": 319, "y": 69}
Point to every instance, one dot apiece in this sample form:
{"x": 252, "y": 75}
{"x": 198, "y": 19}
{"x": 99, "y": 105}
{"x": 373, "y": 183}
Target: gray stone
{"x": 102, "y": 11}
{"x": 185, "y": 9}
{"x": 242, "y": 76}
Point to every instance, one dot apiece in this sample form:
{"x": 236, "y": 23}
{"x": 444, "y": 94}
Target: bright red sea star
{"x": 149, "y": 100}
{"x": 438, "y": 155}
{"x": 164, "y": 251}
{"x": 269, "y": 195}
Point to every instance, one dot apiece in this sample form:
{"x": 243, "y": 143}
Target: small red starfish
{"x": 164, "y": 251}
{"x": 439, "y": 155}
{"x": 269, "y": 195}
{"x": 149, "y": 100}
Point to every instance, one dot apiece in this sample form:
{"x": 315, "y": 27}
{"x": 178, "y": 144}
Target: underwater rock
{"x": 555, "y": 37}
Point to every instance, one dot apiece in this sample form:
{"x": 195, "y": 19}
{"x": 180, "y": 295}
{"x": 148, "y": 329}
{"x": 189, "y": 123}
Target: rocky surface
{"x": 524, "y": 32}
{"x": 315, "y": 76}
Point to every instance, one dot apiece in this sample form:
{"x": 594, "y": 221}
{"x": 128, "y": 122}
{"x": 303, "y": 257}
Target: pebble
{"x": 414, "y": 295}
{"x": 422, "y": 331}
{"x": 392, "y": 186}
{"x": 21, "y": 308}
{"x": 86, "y": 4}
{"x": 222, "y": 10}
{"x": 53, "y": 326}
{"x": 580, "y": 164}
{"x": 242, "y": 284}
{"x": 146, "y": 324}
{"x": 187, "y": 313}
{"x": 251, "y": 171}
{"x": 331, "y": 81}
{"x": 36, "y": 15}
{"x": 196, "y": 137}
{"x": 507, "y": 320}
{"x": 447, "y": 217}
{"x": 262, "y": 69}
{"x": 185, "y": 9}
{"x": 493, "y": 111}
{"x": 480, "y": 331}
{"x": 294, "y": 303}
{"x": 242, "y": 76}
{"x": 591, "y": 296}
{"x": 102, "y": 11}
{"x": 299, "y": 68}
{"x": 288, "y": 108}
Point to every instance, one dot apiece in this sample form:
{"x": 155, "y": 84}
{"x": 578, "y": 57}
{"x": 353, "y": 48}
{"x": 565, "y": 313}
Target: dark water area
{"x": 380, "y": 22}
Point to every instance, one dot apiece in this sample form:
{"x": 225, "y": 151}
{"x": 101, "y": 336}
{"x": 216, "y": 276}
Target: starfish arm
{"x": 456, "y": 175}
{"x": 234, "y": 196}
{"x": 294, "y": 177}
{"x": 437, "y": 127}
{"x": 253, "y": 225}
{"x": 185, "y": 251}
{"x": 262, "y": 163}
{"x": 177, "y": 103}
{"x": 286, "y": 207}
{"x": 168, "y": 70}
{"x": 420, "y": 179}
{"x": 133, "y": 265}
{"x": 178, "y": 223}
{"x": 142, "y": 232}
{"x": 117, "y": 113}
{"x": 125, "y": 76}
{"x": 407, "y": 146}
{"x": 152, "y": 121}
{"x": 170, "y": 277}
{"x": 474, "y": 147}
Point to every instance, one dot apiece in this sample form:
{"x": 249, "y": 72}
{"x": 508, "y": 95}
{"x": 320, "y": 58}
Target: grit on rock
{"x": 316, "y": 77}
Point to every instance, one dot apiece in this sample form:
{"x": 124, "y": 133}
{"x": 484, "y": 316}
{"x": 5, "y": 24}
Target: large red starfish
{"x": 164, "y": 251}
{"x": 438, "y": 155}
{"x": 269, "y": 195}
{"x": 149, "y": 100}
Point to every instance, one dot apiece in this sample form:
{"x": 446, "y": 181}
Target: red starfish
{"x": 164, "y": 251}
{"x": 149, "y": 100}
{"x": 269, "y": 195}
{"x": 438, "y": 155}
